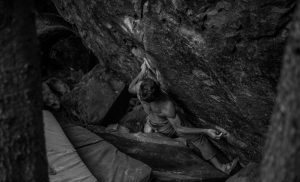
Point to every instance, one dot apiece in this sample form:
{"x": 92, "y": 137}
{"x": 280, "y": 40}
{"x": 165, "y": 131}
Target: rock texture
{"x": 70, "y": 53}
{"x": 63, "y": 54}
{"x": 134, "y": 120}
{"x": 92, "y": 98}
{"x": 220, "y": 58}
{"x": 154, "y": 150}
{"x": 248, "y": 174}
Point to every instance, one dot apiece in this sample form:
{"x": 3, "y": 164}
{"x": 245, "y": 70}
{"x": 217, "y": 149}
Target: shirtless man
{"x": 162, "y": 118}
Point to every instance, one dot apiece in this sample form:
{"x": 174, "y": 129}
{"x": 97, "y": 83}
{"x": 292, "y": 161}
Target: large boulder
{"x": 221, "y": 58}
{"x": 92, "y": 98}
{"x": 169, "y": 159}
{"x": 134, "y": 120}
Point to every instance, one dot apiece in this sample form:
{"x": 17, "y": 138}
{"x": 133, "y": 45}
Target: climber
{"x": 162, "y": 118}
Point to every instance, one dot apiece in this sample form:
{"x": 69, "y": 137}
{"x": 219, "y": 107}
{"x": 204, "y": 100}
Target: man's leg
{"x": 226, "y": 168}
{"x": 203, "y": 146}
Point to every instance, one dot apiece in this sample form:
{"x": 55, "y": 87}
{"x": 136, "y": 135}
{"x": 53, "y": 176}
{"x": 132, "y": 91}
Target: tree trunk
{"x": 22, "y": 147}
{"x": 282, "y": 158}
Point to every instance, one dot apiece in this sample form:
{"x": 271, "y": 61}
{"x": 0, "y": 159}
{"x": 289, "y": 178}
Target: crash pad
{"x": 64, "y": 163}
{"x": 169, "y": 159}
{"x": 104, "y": 160}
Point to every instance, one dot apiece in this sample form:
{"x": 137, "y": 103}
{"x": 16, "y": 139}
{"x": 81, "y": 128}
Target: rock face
{"x": 221, "y": 58}
{"x": 62, "y": 52}
{"x": 249, "y": 174}
{"x": 92, "y": 98}
{"x": 50, "y": 100}
{"x": 154, "y": 150}
{"x": 134, "y": 120}
{"x": 70, "y": 52}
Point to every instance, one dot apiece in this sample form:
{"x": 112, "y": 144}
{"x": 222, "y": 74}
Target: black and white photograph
{"x": 149, "y": 90}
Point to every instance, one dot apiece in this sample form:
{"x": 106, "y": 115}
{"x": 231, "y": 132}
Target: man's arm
{"x": 134, "y": 85}
{"x": 174, "y": 119}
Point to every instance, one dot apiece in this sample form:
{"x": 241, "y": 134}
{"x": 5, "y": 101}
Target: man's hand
{"x": 214, "y": 134}
{"x": 135, "y": 83}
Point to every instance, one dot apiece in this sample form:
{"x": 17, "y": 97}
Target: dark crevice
{"x": 118, "y": 109}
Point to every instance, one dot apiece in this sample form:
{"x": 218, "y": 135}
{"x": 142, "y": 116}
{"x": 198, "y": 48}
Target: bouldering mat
{"x": 104, "y": 160}
{"x": 169, "y": 159}
{"x": 64, "y": 163}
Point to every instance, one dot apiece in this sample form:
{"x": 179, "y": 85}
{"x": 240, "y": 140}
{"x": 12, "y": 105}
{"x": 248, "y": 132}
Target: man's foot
{"x": 227, "y": 168}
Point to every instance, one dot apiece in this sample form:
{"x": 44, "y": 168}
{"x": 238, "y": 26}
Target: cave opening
{"x": 65, "y": 57}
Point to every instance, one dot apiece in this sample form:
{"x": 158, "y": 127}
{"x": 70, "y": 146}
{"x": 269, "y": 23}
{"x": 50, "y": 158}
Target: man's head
{"x": 149, "y": 90}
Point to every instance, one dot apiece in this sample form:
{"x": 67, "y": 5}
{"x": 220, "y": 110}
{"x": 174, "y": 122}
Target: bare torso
{"x": 156, "y": 119}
